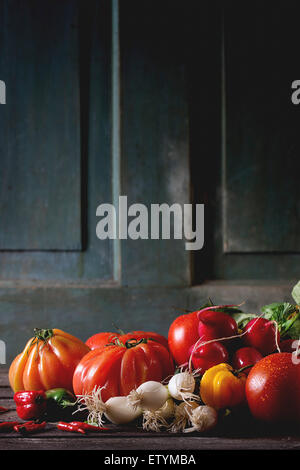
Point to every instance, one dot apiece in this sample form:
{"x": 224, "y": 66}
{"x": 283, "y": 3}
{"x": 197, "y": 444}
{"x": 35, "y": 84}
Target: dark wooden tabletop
{"x": 241, "y": 436}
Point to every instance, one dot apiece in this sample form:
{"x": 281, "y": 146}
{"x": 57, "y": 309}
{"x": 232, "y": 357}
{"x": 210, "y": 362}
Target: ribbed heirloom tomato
{"x": 100, "y": 340}
{"x": 47, "y": 361}
{"x": 122, "y": 367}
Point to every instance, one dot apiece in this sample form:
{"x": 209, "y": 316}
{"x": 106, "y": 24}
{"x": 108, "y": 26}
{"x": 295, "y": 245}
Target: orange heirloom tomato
{"x": 121, "y": 368}
{"x": 223, "y": 387}
{"x": 47, "y": 361}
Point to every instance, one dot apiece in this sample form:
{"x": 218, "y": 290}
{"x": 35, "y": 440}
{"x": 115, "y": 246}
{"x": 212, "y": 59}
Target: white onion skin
{"x": 185, "y": 408}
{"x": 153, "y": 395}
{"x": 118, "y": 410}
{"x": 181, "y": 384}
{"x": 203, "y": 418}
{"x": 167, "y": 410}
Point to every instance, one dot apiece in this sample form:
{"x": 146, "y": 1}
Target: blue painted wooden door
{"x": 162, "y": 102}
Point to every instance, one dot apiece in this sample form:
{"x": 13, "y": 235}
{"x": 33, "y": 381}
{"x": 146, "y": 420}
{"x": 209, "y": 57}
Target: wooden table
{"x": 244, "y": 437}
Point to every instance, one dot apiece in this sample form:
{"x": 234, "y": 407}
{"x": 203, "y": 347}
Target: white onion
{"x": 150, "y": 395}
{"x": 154, "y": 420}
{"x": 119, "y": 410}
{"x": 182, "y": 415}
{"x": 181, "y": 386}
{"x": 203, "y": 418}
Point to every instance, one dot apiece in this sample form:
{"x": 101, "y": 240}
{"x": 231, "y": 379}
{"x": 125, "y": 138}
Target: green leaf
{"x": 243, "y": 318}
{"x": 278, "y": 310}
{"x": 294, "y": 331}
{"x": 296, "y": 293}
{"x": 284, "y": 314}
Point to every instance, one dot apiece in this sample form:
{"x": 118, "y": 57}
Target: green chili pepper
{"x": 60, "y": 403}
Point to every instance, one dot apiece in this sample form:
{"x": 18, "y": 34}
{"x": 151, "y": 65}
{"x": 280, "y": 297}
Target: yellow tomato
{"x": 223, "y": 387}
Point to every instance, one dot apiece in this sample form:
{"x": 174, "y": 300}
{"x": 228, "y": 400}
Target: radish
{"x": 288, "y": 345}
{"x": 215, "y": 324}
{"x": 205, "y": 356}
{"x": 262, "y": 335}
{"x": 244, "y": 357}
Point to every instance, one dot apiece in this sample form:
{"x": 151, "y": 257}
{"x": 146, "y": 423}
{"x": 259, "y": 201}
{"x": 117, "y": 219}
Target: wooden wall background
{"x": 163, "y": 102}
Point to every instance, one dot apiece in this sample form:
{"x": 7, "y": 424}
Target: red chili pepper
{"x": 78, "y": 426}
{"x": 30, "y": 427}
{"x": 31, "y": 404}
{"x": 3, "y": 409}
{"x": 8, "y": 425}
{"x": 88, "y": 427}
{"x": 70, "y": 427}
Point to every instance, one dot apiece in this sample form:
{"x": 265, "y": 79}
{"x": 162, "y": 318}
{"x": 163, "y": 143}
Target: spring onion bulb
{"x": 154, "y": 420}
{"x": 202, "y": 418}
{"x": 182, "y": 415}
{"x": 118, "y": 410}
{"x": 181, "y": 386}
{"x": 150, "y": 395}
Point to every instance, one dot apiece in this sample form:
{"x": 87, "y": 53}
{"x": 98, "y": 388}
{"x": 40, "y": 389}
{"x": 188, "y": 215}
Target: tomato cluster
{"x": 117, "y": 363}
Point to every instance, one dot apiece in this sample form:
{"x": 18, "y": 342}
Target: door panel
{"x": 169, "y": 74}
{"x": 40, "y": 126}
{"x": 245, "y": 145}
{"x": 55, "y": 140}
{"x": 155, "y": 134}
{"x": 261, "y": 193}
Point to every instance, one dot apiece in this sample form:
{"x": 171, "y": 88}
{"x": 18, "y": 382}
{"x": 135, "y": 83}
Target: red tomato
{"x": 183, "y": 333}
{"x": 273, "y": 388}
{"x": 208, "y": 355}
{"x": 121, "y": 369}
{"x": 99, "y": 340}
{"x": 245, "y": 357}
